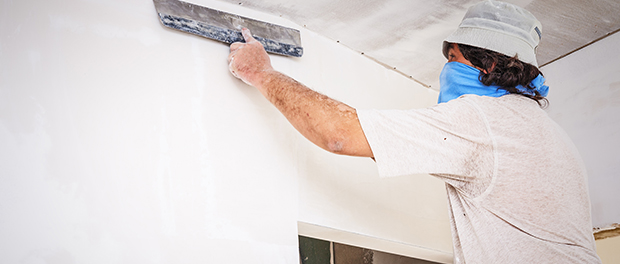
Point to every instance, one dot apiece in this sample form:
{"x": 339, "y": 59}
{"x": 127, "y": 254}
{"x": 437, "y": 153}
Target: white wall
{"x": 584, "y": 99}
{"x": 122, "y": 141}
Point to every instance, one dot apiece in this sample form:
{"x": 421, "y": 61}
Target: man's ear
{"x": 493, "y": 66}
{"x": 490, "y": 69}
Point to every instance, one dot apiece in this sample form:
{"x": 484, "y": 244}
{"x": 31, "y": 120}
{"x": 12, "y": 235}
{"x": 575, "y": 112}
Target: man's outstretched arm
{"x": 328, "y": 123}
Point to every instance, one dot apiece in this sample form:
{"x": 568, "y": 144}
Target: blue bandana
{"x": 458, "y": 79}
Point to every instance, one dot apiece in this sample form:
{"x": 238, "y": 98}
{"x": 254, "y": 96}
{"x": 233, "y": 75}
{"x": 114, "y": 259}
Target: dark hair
{"x": 507, "y": 72}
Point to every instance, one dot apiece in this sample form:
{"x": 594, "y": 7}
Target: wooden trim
{"x": 600, "y": 233}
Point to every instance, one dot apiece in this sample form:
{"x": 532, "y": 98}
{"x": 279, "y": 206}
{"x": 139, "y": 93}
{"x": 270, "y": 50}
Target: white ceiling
{"x": 406, "y": 35}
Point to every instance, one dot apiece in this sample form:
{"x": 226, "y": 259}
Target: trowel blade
{"x": 226, "y": 27}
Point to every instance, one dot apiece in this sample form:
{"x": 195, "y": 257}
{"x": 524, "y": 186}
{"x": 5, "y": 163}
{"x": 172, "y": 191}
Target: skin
{"x": 455, "y": 55}
{"x": 328, "y": 123}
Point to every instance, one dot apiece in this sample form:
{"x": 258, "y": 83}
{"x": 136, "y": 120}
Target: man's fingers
{"x": 230, "y": 67}
{"x": 247, "y": 60}
{"x": 235, "y": 46}
{"x": 230, "y": 57}
{"x": 247, "y": 35}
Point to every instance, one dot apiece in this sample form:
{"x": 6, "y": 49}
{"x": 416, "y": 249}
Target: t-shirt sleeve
{"x": 449, "y": 140}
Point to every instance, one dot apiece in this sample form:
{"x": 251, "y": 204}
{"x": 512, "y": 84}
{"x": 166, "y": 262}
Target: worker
{"x": 517, "y": 188}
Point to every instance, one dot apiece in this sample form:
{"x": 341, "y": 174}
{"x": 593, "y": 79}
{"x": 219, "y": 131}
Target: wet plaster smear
{"x": 122, "y": 141}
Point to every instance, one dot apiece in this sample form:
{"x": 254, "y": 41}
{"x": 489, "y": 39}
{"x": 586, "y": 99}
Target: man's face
{"x": 454, "y": 54}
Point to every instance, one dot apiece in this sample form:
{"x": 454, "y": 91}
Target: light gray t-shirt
{"x": 517, "y": 188}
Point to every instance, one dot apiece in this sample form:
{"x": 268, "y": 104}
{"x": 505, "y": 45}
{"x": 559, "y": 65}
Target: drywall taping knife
{"x": 226, "y": 27}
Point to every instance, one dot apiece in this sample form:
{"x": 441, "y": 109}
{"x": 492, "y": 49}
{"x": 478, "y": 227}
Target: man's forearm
{"x": 328, "y": 123}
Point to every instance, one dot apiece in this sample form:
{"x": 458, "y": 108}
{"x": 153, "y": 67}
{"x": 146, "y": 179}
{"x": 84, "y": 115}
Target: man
{"x": 516, "y": 186}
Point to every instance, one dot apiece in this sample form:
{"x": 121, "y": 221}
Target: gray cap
{"x": 500, "y": 27}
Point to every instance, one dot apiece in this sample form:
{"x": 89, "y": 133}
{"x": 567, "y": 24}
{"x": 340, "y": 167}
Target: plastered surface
{"x": 126, "y": 142}
{"x": 122, "y": 141}
{"x": 584, "y": 99}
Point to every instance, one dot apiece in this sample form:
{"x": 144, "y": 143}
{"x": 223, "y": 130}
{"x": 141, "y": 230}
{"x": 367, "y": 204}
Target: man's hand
{"x": 248, "y": 61}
